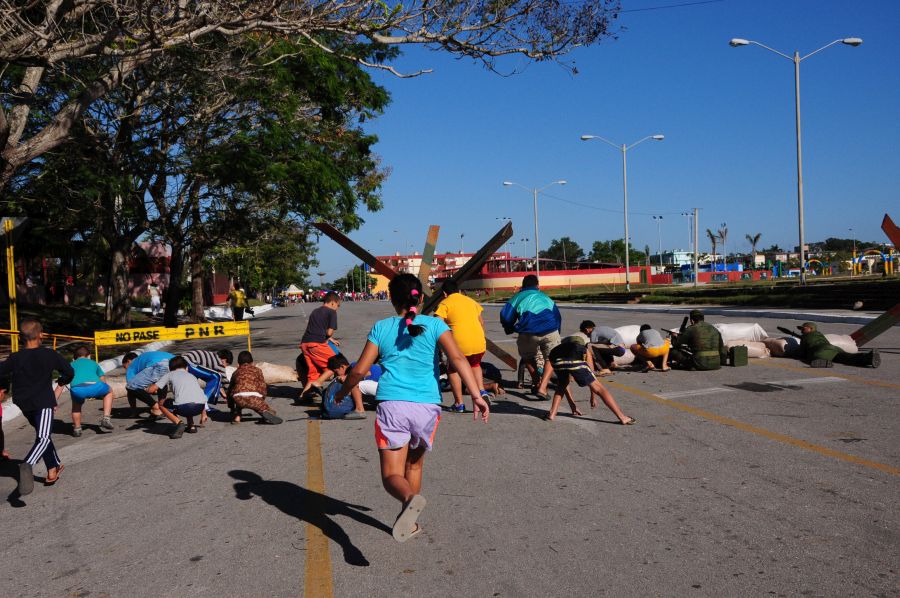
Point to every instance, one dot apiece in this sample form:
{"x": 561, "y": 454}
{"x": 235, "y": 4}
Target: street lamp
{"x": 797, "y": 59}
{"x": 659, "y": 238}
{"x": 535, "y": 191}
{"x": 624, "y": 149}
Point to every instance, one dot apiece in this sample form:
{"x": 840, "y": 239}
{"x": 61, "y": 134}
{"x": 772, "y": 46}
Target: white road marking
{"x": 694, "y": 393}
{"x": 718, "y": 389}
{"x": 808, "y": 381}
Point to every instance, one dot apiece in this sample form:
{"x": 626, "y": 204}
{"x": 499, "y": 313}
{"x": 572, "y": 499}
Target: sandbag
{"x": 629, "y": 335}
{"x": 844, "y": 342}
{"x": 741, "y": 331}
{"x": 275, "y": 373}
{"x": 755, "y": 349}
{"x": 784, "y": 346}
{"x": 626, "y": 359}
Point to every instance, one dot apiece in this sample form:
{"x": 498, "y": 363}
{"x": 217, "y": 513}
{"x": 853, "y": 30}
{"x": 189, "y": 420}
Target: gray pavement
{"x": 772, "y": 479}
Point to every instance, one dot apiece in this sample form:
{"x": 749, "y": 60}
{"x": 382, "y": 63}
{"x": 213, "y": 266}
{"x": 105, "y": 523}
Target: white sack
{"x": 741, "y": 331}
{"x": 626, "y": 359}
{"x": 275, "y": 373}
{"x": 629, "y": 334}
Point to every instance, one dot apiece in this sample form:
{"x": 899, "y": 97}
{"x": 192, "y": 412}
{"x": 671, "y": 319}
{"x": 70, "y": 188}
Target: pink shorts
{"x": 400, "y": 422}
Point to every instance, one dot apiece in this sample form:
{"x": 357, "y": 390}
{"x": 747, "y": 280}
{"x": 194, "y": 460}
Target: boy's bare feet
{"x": 577, "y": 412}
{"x": 594, "y": 402}
{"x": 628, "y": 422}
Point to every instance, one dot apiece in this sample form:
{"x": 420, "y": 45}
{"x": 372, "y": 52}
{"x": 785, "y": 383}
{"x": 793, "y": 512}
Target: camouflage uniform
{"x": 814, "y": 346}
{"x": 699, "y": 347}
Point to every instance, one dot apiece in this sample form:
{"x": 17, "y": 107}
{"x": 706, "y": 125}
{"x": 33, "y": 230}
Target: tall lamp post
{"x": 624, "y": 149}
{"x": 659, "y": 239}
{"x": 535, "y": 191}
{"x": 797, "y": 59}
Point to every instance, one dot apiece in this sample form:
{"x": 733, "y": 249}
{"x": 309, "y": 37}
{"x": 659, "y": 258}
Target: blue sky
{"x": 453, "y": 136}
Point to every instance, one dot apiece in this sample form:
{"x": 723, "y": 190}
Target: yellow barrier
{"x": 186, "y": 332}
{"x": 54, "y": 337}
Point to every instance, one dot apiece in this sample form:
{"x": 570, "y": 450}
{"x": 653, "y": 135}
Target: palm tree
{"x": 754, "y": 240}
{"x": 723, "y": 235}
{"x": 714, "y": 240}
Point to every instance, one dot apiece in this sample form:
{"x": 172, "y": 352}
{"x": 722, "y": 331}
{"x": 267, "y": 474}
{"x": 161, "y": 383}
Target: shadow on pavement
{"x": 309, "y": 506}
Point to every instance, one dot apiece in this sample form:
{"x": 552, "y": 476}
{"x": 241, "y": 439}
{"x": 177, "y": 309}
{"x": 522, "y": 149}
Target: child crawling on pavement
{"x": 189, "y": 399}
{"x": 248, "y": 390}
{"x": 571, "y": 359}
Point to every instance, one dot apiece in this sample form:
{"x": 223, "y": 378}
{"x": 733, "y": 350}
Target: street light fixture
{"x": 797, "y": 59}
{"x": 535, "y": 191}
{"x": 624, "y": 149}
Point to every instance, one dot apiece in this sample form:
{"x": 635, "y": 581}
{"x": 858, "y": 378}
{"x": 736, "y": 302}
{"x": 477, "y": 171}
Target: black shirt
{"x": 320, "y": 320}
{"x": 31, "y": 371}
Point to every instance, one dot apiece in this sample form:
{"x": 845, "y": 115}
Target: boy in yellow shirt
{"x": 463, "y": 316}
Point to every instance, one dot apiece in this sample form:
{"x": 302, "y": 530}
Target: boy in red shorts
{"x": 317, "y": 343}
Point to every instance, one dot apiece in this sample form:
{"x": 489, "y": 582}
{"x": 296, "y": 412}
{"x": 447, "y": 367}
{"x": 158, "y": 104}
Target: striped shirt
{"x": 205, "y": 359}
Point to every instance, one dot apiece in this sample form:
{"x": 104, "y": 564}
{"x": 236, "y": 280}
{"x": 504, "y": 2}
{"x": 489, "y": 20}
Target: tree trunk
{"x": 174, "y": 292}
{"x": 197, "y": 287}
{"x": 118, "y": 300}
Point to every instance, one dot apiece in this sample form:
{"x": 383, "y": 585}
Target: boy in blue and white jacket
{"x": 535, "y": 317}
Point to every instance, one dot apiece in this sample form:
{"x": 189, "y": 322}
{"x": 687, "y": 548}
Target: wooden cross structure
{"x": 465, "y": 272}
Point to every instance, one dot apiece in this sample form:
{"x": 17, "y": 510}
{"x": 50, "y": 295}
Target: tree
{"x": 714, "y": 241}
{"x": 754, "y": 240}
{"x": 563, "y": 250}
{"x": 723, "y": 236}
{"x": 355, "y": 280}
{"x": 42, "y": 42}
{"x": 196, "y": 161}
{"x": 613, "y": 252}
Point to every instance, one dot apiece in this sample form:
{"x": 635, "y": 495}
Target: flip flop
{"x": 406, "y": 527}
{"x": 663, "y": 369}
{"x": 630, "y": 422}
{"x": 59, "y": 470}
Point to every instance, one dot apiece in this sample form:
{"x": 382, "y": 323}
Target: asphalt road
{"x": 773, "y": 479}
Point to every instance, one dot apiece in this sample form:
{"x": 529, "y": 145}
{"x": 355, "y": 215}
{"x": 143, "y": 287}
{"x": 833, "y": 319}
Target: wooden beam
{"x": 428, "y": 255}
{"x": 885, "y": 321}
{"x": 345, "y": 242}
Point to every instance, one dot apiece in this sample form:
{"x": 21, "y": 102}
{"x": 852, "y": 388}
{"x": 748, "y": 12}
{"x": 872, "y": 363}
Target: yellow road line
{"x": 822, "y": 450}
{"x": 824, "y": 372}
{"x": 318, "y": 582}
